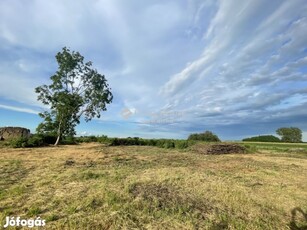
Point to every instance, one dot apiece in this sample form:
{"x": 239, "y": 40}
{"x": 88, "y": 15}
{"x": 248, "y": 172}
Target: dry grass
{"x": 91, "y": 186}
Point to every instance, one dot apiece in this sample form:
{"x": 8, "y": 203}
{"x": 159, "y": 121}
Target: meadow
{"x": 95, "y": 186}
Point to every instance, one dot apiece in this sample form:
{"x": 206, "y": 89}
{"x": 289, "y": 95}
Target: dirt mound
{"x": 215, "y": 149}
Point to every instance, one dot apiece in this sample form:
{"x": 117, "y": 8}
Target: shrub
{"x": 20, "y": 142}
{"x": 49, "y": 139}
{"x": 168, "y": 144}
{"x": 33, "y": 141}
{"x": 69, "y": 140}
{"x": 103, "y": 139}
{"x": 162, "y": 143}
{"x": 86, "y": 139}
{"x": 181, "y": 144}
{"x": 152, "y": 142}
{"x": 207, "y": 136}
{"x": 263, "y": 138}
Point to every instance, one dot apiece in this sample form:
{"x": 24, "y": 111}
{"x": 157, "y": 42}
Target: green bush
{"x": 263, "y": 138}
{"x": 127, "y": 141}
{"x": 86, "y": 139}
{"x": 103, "y": 139}
{"x": 207, "y": 136}
{"x": 169, "y": 144}
{"x": 33, "y": 141}
{"x": 181, "y": 144}
{"x": 152, "y": 142}
{"x": 49, "y": 139}
{"x": 69, "y": 140}
{"x": 162, "y": 143}
{"x": 18, "y": 142}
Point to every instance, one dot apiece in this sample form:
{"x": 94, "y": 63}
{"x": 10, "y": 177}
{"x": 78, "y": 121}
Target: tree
{"x": 206, "y": 136}
{"x": 291, "y": 134}
{"x": 76, "y": 90}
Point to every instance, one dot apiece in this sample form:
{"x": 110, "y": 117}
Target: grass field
{"x": 92, "y": 186}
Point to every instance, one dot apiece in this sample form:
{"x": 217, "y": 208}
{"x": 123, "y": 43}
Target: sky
{"x": 236, "y": 68}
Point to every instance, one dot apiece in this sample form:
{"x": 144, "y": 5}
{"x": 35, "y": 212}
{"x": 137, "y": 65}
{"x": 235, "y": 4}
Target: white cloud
{"x": 18, "y": 109}
{"x": 217, "y": 61}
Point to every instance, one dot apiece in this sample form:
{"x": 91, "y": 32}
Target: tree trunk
{"x": 59, "y": 135}
{"x": 57, "y": 140}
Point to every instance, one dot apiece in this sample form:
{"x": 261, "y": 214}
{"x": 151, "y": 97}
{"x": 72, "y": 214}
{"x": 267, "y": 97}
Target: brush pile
{"x": 216, "y": 149}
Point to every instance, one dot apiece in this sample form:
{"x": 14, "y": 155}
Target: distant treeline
{"x": 263, "y": 138}
{"x": 162, "y": 143}
{"x": 38, "y": 140}
{"x": 287, "y": 134}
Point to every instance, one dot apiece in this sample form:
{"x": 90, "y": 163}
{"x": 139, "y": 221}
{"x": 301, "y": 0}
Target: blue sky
{"x": 237, "y": 68}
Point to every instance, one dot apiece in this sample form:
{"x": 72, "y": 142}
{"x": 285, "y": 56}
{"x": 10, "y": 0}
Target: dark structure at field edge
{"x": 8, "y": 133}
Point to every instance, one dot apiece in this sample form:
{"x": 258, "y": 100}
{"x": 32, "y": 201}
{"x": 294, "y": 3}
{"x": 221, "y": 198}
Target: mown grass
{"x": 91, "y": 186}
{"x": 278, "y": 146}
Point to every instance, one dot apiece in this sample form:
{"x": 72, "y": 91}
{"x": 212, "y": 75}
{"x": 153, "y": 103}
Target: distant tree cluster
{"x": 263, "y": 138}
{"x": 291, "y": 134}
{"x": 207, "y": 136}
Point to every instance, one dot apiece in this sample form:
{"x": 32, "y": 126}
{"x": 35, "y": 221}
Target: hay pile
{"x": 216, "y": 149}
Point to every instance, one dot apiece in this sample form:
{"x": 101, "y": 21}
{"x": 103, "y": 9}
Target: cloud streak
{"x": 18, "y": 109}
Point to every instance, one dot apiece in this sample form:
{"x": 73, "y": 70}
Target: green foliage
{"x": 36, "y": 140}
{"x": 92, "y": 138}
{"x": 162, "y": 143}
{"x": 19, "y": 142}
{"x": 48, "y": 138}
{"x": 181, "y": 144}
{"x": 127, "y": 141}
{"x": 33, "y": 141}
{"x": 86, "y": 139}
{"x": 69, "y": 140}
{"x": 207, "y": 136}
{"x": 76, "y": 90}
{"x": 42, "y": 140}
{"x": 263, "y": 138}
{"x": 103, "y": 139}
{"x": 292, "y": 134}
